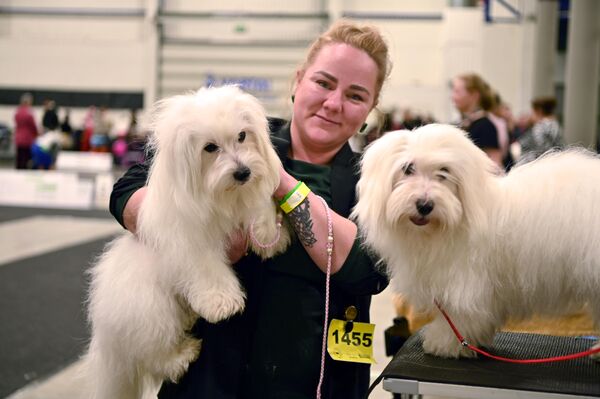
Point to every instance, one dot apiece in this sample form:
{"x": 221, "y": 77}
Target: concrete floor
{"x": 60, "y": 385}
{"x": 37, "y": 241}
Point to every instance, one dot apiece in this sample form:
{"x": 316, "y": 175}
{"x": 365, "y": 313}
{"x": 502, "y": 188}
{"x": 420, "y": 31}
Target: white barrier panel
{"x": 89, "y": 162}
{"x": 103, "y": 184}
{"x": 45, "y": 189}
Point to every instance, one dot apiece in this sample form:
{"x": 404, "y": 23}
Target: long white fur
{"x": 147, "y": 291}
{"x": 494, "y": 246}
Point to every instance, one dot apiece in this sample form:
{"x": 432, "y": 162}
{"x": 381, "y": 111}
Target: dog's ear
{"x": 376, "y": 182}
{"x": 254, "y": 114}
{"x": 171, "y": 144}
{"x": 475, "y": 172}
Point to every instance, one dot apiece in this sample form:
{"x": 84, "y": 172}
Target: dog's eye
{"x": 210, "y": 147}
{"x": 242, "y": 136}
{"x": 409, "y": 169}
{"x": 443, "y": 175}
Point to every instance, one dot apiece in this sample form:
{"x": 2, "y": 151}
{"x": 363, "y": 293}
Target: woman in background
{"x": 473, "y": 98}
{"x": 545, "y": 134}
{"x": 26, "y": 131}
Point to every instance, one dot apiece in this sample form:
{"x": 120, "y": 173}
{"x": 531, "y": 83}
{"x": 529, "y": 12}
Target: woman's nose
{"x": 333, "y": 101}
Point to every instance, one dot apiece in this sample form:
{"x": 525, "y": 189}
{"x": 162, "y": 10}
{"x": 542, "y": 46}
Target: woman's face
{"x": 464, "y": 100}
{"x": 333, "y": 97}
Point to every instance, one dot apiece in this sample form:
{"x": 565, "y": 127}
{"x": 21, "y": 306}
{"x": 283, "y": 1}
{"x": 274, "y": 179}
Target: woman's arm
{"x": 133, "y": 180}
{"x": 132, "y": 208}
{"x": 309, "y": 221}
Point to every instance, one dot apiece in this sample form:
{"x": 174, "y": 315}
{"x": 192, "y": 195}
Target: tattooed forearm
{"x": 303, "y": 224}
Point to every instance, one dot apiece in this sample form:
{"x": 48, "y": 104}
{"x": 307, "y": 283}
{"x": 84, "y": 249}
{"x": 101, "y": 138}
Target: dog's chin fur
{"x": 493, "y": 246}
{"x": 147, "y": 291}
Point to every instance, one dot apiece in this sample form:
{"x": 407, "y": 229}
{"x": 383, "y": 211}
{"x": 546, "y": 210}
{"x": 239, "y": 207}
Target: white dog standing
{"x": 214, "y": 171}
{"x": 485, "y": 246}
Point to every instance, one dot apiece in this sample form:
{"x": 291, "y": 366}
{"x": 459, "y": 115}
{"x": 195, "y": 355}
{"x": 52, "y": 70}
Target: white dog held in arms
{"x": 214, "y": 171}
{"x": 485, "y": 246}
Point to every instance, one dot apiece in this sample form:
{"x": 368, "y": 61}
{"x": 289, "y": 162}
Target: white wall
{"x": 66, "y": 52}
{"x": 72, "y": 52}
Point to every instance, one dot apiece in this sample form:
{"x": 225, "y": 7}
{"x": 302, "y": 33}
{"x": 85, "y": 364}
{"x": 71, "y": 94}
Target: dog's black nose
{"x": 242, "y": 174}
{"x": 424, "y": 207}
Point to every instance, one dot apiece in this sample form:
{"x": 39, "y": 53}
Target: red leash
{"x": 464, "y": 342}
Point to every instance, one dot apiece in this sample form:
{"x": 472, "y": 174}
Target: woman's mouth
{"x": 327, "y": 120}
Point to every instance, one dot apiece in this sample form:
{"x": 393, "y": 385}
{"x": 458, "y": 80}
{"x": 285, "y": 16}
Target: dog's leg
{"x": 173, "y": 364}
{"x": 265, "y": 231}
{"x": 213, "y": 291}
{"x": 440, "y": 340}
{"x": 109, "y": 379}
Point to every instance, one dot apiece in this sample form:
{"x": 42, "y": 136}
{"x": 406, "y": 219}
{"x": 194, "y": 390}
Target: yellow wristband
{"x": 294, "y": 198}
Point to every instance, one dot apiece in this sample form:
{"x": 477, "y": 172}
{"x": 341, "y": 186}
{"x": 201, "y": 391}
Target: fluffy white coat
{"x": 487, "y": 246}
{"x": 214, "y": 171}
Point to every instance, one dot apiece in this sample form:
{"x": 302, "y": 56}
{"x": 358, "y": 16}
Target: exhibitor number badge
{"x": 355, "y": 345}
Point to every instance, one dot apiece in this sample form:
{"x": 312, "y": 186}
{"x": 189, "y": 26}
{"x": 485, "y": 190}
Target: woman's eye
{"x": 210, "y": 147}
{"x": 356, "y": 97}
{"x": 242, "y": 136}
{"x": 323, "y": 84}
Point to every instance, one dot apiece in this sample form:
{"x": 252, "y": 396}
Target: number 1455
{"x": 355, "y": 338}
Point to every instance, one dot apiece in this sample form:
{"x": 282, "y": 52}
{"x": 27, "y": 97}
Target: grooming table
{"x": 413, "y": 372}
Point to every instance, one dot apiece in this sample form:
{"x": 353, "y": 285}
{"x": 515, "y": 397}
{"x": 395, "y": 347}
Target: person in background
{"x": 88, "y": 129}
{"x": 100, "y": 140}
{"x": 44, "y": 150}
{"x": 66, "y": 130}
{"x": 25, "y": 131}
{"x": 273, "y": 349}
{"x": 496, "y": 115}
{"x": 50, "y": 117}
{"x": 546, "y": 133}
{"x": 473, "y": 98}
{"x": 65, "y": 126}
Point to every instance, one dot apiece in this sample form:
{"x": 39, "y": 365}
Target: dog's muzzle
{"x": 242, "y": 174}
{"x": 424, "y": 207}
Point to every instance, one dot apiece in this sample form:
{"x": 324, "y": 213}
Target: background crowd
{"x": 37, "y": 143}
{"x": 489, "y": 120}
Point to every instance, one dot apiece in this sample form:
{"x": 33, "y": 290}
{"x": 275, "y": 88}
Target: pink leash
{"x": 269, "y": 245}
{"x": 464, "y": 342}
{"x": 329, "y": 260}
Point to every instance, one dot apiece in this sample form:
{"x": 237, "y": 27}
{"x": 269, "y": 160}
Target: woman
{"x": 26, "y": 131}
{"x": 273, "y": 349}
{"x": 546, "y": 132}
{"x": 473, "y": 98}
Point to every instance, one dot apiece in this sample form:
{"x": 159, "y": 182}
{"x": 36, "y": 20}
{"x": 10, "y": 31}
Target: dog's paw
{"x": 185, "y": 353}
{"x": 280, "y": 240}
{"x": 269, "y": 236}
{"x": 220, "y": 302}
{"x": 440, "y": 343}
{"x": 452, "y": 350}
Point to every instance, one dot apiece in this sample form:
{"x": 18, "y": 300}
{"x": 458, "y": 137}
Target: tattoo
{"x": 303, "y": 224}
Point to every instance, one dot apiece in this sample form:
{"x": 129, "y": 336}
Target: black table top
{"x": 576, "y": 377}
